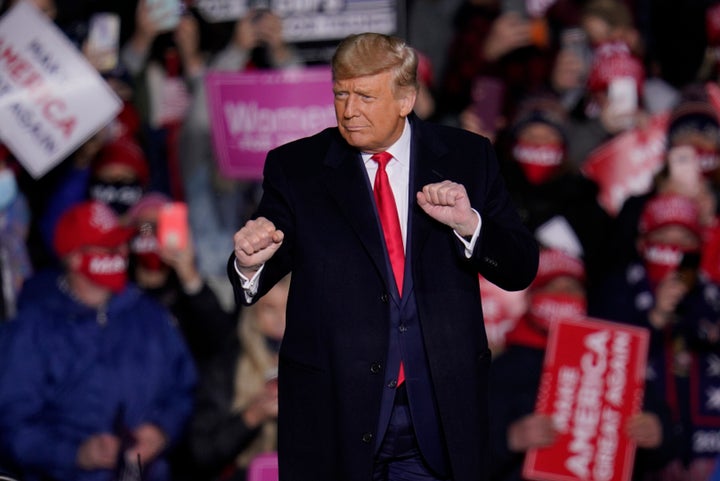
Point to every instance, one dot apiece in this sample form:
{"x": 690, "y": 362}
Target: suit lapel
{"x": 427, "y": 154}
{"x": 346, "y": 180}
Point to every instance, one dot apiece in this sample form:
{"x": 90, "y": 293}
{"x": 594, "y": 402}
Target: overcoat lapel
{"x": 426, "y": 154}
{"x": 346, "y": 180}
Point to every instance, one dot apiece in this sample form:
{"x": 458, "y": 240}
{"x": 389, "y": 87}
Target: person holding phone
{"x": 502, "y": 41}
{"x": 667, "y": 292}
{"x": 691, "y": 168}
{"x": 216, "y": 202}
{"x": 163, "y": 264}
{"x": 615, "y": 80}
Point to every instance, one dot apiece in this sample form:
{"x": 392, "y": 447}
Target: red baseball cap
{"x": 125, "y": 151}
{"x": 670, "y": 209}
{"x": 555, "y": 263}
{"x": 613, "y": 60}
{"x": 89, "y": 224}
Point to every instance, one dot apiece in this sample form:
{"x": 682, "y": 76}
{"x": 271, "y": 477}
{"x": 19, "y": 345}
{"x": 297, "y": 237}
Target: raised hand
{"x": 447, "y": 202}
{"x": 255, "y": 243}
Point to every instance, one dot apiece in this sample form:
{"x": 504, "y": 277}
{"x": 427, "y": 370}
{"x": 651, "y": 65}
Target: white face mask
{"x": 8, "y": 188}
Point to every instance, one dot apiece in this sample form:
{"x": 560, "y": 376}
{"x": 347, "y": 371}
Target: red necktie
{"x": 391, "y": 227}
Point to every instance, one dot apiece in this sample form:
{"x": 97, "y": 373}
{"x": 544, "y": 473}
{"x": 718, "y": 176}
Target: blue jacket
{"x": 68, "y": 372}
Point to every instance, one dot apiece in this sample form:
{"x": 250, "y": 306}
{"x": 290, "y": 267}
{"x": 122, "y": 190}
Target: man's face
{"x": 370, "y": 114}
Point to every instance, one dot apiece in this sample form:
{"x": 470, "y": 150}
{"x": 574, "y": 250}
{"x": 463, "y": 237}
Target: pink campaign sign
{"x": 253, "y": 112}
{"x": 263, "y": 467}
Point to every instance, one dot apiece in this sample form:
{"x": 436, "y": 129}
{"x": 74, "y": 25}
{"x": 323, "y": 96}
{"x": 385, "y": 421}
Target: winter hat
{"x": 611, "y": 61}
{"x": 123, "y": 151}
{"x": 542, "y": 108}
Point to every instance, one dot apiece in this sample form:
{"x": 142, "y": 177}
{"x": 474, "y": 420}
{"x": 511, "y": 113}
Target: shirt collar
{"x": 400, "y": 150}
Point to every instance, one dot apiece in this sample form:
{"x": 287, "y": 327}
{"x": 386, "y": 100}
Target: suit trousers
{"x": 399, "y": 457}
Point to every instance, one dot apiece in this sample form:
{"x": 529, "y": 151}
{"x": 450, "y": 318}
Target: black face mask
{"x": 120, "y": 196}
{"x": 272, "y": 344}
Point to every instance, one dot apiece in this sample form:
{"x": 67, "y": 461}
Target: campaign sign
{"x": 51, "y": 98}
{"x": 253, "y": 112}
{"x": 592, "y": 383}
{"x": 625, "y": 165}
{"x": 263, "y": 467}
{"x": 317, "y": 20}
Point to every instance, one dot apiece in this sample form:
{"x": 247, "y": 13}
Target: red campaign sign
{"x": 592, "y": 383}
{"x": 625, "y": 165}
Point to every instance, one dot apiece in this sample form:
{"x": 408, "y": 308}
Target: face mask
{"x": 548, "y": 308}
{"x": 106, "y": 270}
{"x": 273, "y": 344}
{"x": 539, "y": 162}
{"x": 145, "y": 249}
{"x": 660, "y": 260}
{"x": 120, "y": 196}
{"x": 8, "y": 188}
{"x": 709, "y": 161}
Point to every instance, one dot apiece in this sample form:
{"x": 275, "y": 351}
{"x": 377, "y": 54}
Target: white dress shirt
{"x": 398, "y": 171}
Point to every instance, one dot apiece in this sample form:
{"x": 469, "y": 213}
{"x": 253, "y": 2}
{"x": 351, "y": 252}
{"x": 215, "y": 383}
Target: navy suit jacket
{"x": 334, "y": 361}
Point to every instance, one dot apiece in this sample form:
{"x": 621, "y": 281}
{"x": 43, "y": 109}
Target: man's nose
{"x": 350, "y": 107}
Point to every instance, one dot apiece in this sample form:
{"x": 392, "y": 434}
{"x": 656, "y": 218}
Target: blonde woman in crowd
{"x": 236, "y": 410}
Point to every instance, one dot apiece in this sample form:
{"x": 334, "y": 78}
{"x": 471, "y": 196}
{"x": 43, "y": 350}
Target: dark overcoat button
{"x": 367, "y": 437}
{"x": 375, "y": 367}
{"x": 384, "y": 298}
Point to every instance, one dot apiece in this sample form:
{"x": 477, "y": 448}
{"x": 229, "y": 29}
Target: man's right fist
{"x": 255, "y": 243}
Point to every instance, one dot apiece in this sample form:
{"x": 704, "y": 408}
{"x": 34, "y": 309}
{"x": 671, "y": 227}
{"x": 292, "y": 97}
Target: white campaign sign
{"x": 51, "y": 98}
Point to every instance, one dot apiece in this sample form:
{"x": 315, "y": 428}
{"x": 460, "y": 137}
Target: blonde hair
{"x": 254, "y": 363}
{"x": 364, "y": 54}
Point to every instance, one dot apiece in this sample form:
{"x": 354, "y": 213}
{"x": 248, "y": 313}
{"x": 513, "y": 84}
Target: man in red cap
{"x": 95, "y": 376}
{"x": 668, "y": 293}
{"x": 116, "y": 174}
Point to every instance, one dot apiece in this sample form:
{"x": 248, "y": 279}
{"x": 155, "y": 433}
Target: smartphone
{"x": 488, "y": 94}
{"x": 688, "y": 268}
{"x": 103, "y": 40}
{"x": 575, "y": 40}
{"x": 166, "y": 13}
{"x": 623, "y": 100}
{"x": 684, "y": 169}
{"x": 172, "y": 225}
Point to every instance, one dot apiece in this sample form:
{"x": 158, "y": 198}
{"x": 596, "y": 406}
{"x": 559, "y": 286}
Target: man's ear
{"x": 407, "y": 101}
